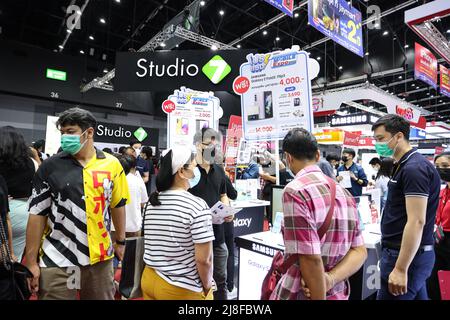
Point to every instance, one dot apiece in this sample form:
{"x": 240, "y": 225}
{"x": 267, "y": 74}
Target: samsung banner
{"x": 445, "y": 81}
{"x": 169, "y": 70}
{"x": 338, "y": 21}
{"x": 425, "y": 66}
{"x": 275, "y": 91}
{"x": 286, "y": 6}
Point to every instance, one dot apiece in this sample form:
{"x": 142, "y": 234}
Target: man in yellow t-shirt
{"x": 75, "y": 194}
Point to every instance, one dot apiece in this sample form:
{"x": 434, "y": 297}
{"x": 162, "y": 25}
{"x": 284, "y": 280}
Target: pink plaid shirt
{"x": 306, "y": 202}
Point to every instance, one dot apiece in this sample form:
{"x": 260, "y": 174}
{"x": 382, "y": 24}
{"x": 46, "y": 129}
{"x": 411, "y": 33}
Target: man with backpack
{"x": 323, "y": 241}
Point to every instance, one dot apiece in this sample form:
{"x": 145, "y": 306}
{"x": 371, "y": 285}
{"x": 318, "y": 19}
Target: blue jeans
{"x": 418, "y": 273}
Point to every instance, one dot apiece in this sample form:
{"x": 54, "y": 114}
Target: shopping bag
{"x": 132, "y": 268}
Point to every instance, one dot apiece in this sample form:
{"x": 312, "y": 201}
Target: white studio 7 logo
{"x": 73, "y": 19}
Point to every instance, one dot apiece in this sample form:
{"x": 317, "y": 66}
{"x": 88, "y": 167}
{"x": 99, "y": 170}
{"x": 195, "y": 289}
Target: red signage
{"x": 366, "y": 142}
{"x": 445, "y": 81}
{"x": 425, "y": 67}
{"x": 405, "y": 112}
{"x": 438, "y": 150}
{"x": 168, "y": 106}
{"x": 241, "y": 85}
{"x": 351, "y": 139}
{"x": 422, "y": 124}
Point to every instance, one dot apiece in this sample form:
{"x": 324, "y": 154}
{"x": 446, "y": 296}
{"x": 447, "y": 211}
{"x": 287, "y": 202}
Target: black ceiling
{"x": 131, "y": 23}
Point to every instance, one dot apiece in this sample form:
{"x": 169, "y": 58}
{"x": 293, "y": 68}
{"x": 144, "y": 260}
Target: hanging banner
{"x": 338, "y": 21}
{"x": 286, "y": 6}
{"x": 275, "y": 91}
{"x": 351, "y": 139}
{"x": 445, "y": 81}
{"x": 416, "y": 133}
{"x": 425, "y": 66}
{"x": 330, "y": 137}
{"x": 234, "y": 135}
{"x": 193, "y": 111}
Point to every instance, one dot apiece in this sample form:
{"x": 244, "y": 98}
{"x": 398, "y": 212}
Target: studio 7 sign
{"x": 167, "y": 70}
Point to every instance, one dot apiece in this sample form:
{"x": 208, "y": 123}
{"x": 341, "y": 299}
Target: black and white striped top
{"x": 171, "y": 231}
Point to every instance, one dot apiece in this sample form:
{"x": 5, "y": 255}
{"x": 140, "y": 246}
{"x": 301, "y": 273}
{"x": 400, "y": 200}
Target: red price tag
{"x": 168, "y": 106}
{"x": 241, "y": 85}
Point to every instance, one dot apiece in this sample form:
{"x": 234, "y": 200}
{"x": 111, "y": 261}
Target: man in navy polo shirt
{"x": 358, "y": 177}
{"x": 407, "y": 223}
{"x": 143, "y": 166}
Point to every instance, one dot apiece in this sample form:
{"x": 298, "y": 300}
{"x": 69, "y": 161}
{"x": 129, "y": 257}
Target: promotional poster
{"x": 338, "y": 21}
{"x": 445, "y": 81}
{"x": 425, "y": 67}
{"x": 286, "y": 6}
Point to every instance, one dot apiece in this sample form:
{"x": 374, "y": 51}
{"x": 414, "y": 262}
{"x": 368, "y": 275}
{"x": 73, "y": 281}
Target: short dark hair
{"x": 122, "y": 149}
{"x": 135, "y": 141}
{"x": 350, "y": 152}
{"x": 148, "y": 151}
{"x": 77, "y": 116}
{"x": 393, "y": 124}
{"x": 300, "y": 144}
{"x": 39, "y": 144}
{"x": 107, "y": 150}
{"x": 375, "y": 161}
{"x": 126, "y": 161}
{"x": 332, "y": 156}
{"x": 443, "y": 154}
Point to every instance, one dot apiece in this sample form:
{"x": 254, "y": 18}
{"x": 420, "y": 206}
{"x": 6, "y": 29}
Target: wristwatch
{"x": 120, "y": 242}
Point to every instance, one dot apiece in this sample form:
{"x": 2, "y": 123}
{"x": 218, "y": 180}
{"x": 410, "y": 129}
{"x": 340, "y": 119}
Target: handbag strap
{"x": 322, "y": 230}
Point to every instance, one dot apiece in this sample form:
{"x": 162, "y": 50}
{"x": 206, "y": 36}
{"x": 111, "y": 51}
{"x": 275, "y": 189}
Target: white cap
{"x": 180, "y": 156}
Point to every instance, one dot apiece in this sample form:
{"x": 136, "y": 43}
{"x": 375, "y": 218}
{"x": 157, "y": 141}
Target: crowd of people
{"x": 74, "y": 211}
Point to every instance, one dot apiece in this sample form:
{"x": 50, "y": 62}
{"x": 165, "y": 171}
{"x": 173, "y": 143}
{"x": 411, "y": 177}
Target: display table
{"x": 251, "y": 218}
{"x": 257, "y": 250}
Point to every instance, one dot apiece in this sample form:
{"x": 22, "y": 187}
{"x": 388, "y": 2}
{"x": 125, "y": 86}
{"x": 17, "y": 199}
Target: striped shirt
{"x": 306, "y": 201}
{"x": 171, "y": 231}
{"x": 77, "y": 201}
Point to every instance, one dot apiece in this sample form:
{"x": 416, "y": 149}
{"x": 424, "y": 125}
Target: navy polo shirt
{"x": 142, "y": 166}
{"x": 356, "y": 189}
{"x": 414, "y": 176}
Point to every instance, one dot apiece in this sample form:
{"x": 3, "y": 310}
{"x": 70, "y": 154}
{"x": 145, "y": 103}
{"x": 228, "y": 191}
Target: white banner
{"x": 193, "y": 111}
{"x": 275, "y": 91}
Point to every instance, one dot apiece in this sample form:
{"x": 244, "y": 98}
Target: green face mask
{"x": 70, "y": 143}
{"x": 383, "y": 149}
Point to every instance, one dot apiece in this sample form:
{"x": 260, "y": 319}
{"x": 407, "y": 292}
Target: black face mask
{"x": 345, "y": 159}
{"x": 209, "y": 154}
{"x": 444, "y": 173}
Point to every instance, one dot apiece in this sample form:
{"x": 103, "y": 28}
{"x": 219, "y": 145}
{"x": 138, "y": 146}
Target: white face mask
{"x": 288, "y": 169}
{"x": 138, "y": 151}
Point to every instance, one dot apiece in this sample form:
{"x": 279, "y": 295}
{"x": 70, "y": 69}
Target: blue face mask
{"x": 70, "y": 143}
{"x": 196, "y": 179}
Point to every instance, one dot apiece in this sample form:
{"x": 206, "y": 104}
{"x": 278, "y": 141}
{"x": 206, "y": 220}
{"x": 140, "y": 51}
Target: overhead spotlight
{"x": 448, "y": 31}
{"x": 202, "y": 3}
{"x": 340, "y": 68}
{"x": 105, "y": 70}
{"x": 177, "y": 46}
{"x": 221, "y": 12}
{"x": 400, "y": 77}
{"x": 91, "y": 37}
{"x": 428, "y": 93}
{"x": 69, "y": 31}
{"x": 296, "y": 15}
{"x": 277, "y": 39}
{"x": 440, "y": 100}
{"x": 239, "y": 46}
{"x": 377, "y": 25}
{"x": 102, "y": 20}
{"x": 413, "y": 84}
{"x": 81, "y": 51}
{"x": 214, "y": 47}
{"x": 162, "y": 44}
{"x": 385, "y": 33}
{"x": 406, "y": 46}
{"x": 55, "y": 50}
{"x": 118, "y": 1}
{"x": 61, "y": 46}
{"x": 367, "y": 53}
{"x": 265, "y": 32}
{"x": 319, "y": 58}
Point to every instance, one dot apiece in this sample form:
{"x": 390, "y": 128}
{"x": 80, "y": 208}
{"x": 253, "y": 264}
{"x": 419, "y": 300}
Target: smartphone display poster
{"x": 275, "y": 94}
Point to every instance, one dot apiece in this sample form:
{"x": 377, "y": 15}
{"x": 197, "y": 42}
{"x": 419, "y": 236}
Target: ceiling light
{"x": 413, "y": 84}
{"x": 428, "y": 93}
{"x": 377, "y": 25}
{"x": 214, "y": 47}
{"x": 162, "y": 44}
{"x": 400, "y": 77}
{"x": 264, "y": 32}
{"x": 296, "y": 15}
{"x": 367, "y": 53}
{"x": 406, "y": 46}
{"x": 440, "y": 100}
{"x": 319, "y": 58}
{"x": 448, "y": 31}
{"x": 118, "y": 1}
{"x": 385, "y": 33}
{"x": 177, "y": 46}
{"x": 105, "y": 70}
{"x": 61, "y": 46}
{"x": 239, "y": 46}
{"x": 202, "y": 3}
{"x": 277, "y": 38}
{"x": 81, "y": 51}
{"x": 102, "y": 20}
{"x": 55, "y": 50}
{"x": 221, "y": 12}
{"x": 340, "y": 68}
{"x": 91, "y": 37}
{"x": 69, "y": 31}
